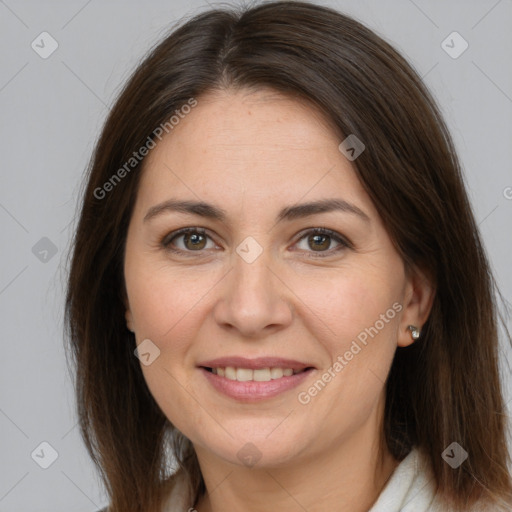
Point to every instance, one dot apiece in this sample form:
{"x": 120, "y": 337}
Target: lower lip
{"x": 254, "y": 391}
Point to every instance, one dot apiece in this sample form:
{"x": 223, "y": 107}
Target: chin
{"x": 258, "y": 448}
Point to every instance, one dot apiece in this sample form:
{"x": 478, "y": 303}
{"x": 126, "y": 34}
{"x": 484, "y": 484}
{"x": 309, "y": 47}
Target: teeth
{"x": 262, "y": 375}
{"x": 259, "y": 375}
{"x": 243, "y": 374}
{"x": 276, "y": 373}
{"x": 230, "y": 373}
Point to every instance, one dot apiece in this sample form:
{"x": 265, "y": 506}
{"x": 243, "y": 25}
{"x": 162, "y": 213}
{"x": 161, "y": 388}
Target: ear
{"x": 128, "y": 314}
{"x": 129, "y": 320}
{"x": 419, "y": 296}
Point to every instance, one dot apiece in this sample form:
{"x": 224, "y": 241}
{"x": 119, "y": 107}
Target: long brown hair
{"x": 443, "y": 389}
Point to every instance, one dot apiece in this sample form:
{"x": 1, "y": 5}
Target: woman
{"x": 277, "y": 279}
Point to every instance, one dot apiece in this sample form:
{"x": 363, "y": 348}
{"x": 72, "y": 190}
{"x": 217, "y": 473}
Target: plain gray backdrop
{"x": 52, "y": 110}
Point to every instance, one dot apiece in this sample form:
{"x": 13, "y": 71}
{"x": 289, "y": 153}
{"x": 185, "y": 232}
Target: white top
{"x": 410, "y": 488}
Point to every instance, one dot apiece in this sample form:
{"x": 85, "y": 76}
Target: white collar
{"x": 411, "y": 487}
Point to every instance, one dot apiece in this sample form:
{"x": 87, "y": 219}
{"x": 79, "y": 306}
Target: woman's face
{"x": 226, "y": 314}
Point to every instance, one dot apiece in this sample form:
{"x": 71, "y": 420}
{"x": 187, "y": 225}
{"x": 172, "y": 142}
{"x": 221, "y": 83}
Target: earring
{"x": 415, "y": 333}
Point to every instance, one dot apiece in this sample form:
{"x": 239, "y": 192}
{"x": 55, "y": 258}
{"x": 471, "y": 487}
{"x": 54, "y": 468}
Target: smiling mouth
{"x": 256, "y": 375}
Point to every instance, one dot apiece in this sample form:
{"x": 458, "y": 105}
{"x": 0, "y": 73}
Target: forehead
{"x": 256, "y": 146}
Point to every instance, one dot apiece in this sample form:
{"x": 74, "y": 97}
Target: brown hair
{"x": 442, "y": 389}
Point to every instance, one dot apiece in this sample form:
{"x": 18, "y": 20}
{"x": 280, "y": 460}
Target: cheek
{"x": 356, "y": 318}
{"x": 163, "y": 300}
{"x": 166, "y": 308}
{"x": 343, "y": 304}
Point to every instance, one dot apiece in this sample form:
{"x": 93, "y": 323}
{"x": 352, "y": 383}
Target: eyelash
{"x": 344, "y": 243}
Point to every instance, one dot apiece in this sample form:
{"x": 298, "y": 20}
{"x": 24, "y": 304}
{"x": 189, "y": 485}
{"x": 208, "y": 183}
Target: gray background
{"x": 52, "y": 111}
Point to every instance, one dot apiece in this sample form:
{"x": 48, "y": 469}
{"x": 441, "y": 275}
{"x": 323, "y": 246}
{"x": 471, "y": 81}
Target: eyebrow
{"x": 288, "y": 213}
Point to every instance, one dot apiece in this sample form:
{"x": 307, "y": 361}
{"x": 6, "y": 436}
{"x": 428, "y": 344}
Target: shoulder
{"x": 413, "y": 488}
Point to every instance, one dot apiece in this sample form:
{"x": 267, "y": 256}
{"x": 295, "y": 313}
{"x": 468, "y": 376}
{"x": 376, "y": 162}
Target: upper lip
{"x": 254, "y": 364}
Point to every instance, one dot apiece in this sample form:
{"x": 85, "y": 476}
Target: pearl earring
{"x": 415, "y": 333}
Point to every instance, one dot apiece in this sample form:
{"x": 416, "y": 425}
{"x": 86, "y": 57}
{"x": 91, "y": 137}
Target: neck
{"x": 347, "y": 477}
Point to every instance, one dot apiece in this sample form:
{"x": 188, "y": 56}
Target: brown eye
{"x": 194, "y": 241}
{"x": 186, "y": 240}
{"x": 319, "y": 241}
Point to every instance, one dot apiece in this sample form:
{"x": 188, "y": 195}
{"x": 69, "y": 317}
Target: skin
{"x": 253, "y": 153}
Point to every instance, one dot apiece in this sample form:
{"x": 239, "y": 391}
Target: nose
{"x": 254, "y": 300}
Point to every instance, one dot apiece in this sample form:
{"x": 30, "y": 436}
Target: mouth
{"x": 252, "y": 380}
